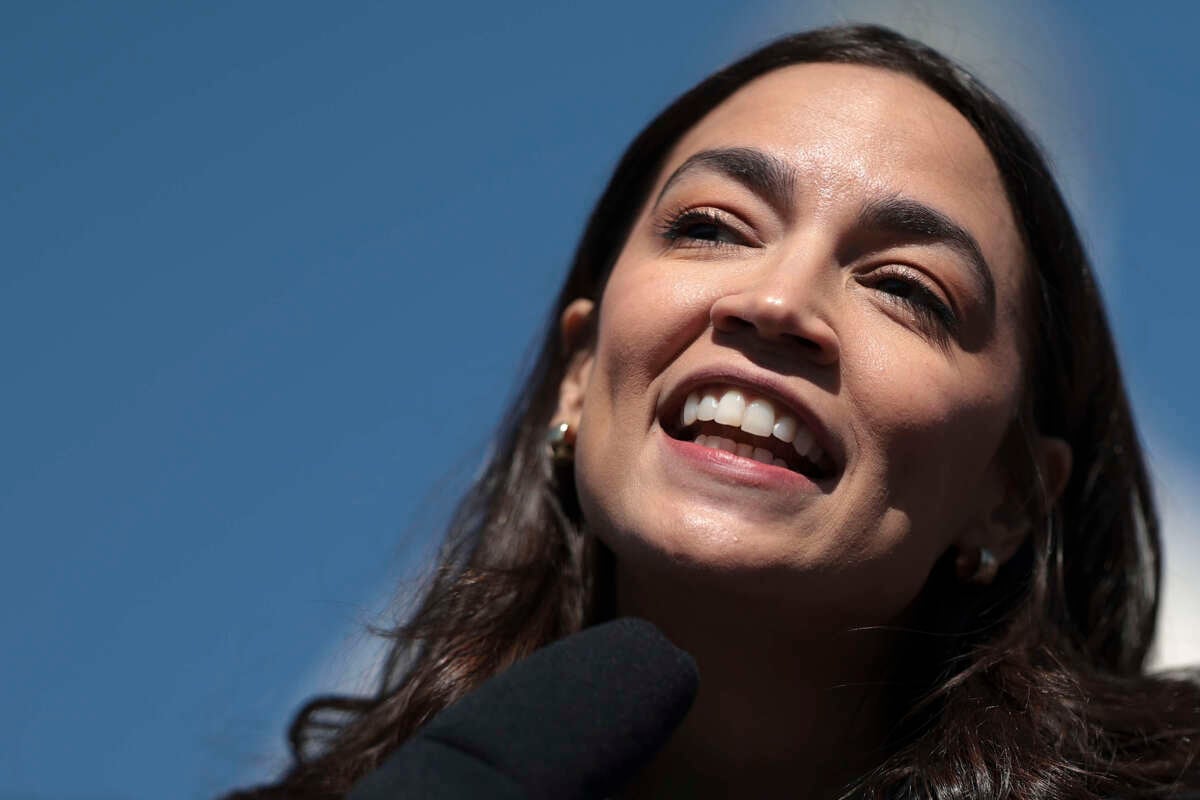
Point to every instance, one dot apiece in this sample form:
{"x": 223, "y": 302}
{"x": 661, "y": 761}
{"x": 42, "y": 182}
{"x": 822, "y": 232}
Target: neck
{"x": 783, "y": 711}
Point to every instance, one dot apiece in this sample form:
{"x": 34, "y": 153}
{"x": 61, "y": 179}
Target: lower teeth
{"x": 760, "y": 454}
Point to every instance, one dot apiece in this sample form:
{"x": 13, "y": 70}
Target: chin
{"x": 775, "y": 574}
{"x": 705, "y": 544}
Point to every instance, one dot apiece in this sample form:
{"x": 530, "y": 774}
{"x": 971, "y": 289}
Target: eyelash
{"x": 923, "y": 301}
{"x": 930, "y": 309}
{"x": 674, "y": 228}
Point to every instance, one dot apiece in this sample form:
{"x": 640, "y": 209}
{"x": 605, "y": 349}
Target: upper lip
{"x": 766, "y": 385}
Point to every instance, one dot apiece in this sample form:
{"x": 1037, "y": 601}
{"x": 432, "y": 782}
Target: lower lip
{"x": 732, "y": 468}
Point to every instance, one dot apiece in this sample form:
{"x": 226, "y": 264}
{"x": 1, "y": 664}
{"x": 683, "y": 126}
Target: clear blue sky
{"x": 267, "y": 272}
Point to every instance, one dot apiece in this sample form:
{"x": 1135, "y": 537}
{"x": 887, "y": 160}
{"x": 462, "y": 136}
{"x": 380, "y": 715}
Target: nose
{"x": 779, "y": 306}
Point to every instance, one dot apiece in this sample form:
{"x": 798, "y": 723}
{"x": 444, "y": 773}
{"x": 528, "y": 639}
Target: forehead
{"x": 854, "y": 133}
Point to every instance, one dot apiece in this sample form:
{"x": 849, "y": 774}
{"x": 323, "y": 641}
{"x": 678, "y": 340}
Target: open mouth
{"x": 730, "y": 419}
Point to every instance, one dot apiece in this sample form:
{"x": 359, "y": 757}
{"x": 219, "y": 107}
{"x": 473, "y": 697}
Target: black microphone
{"x": 575, "y": 720}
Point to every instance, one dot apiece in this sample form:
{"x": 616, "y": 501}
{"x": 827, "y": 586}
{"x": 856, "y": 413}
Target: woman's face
{"x": 806, "y": 357}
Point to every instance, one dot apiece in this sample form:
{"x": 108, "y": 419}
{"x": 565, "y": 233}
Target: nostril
{"x": 769, "y": 318}
{"x": 733, "y": 324}
{"x": 806, "y": 343}
{"x": 736, "y": 324}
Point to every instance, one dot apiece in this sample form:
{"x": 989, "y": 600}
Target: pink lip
{"x": 733, "y": 468}
{"x": 766, "y": 385}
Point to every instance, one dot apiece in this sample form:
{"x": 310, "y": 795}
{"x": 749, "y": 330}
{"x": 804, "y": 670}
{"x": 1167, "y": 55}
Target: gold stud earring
{"x": 978, "y": 567}
{"x": 560, "y": 442}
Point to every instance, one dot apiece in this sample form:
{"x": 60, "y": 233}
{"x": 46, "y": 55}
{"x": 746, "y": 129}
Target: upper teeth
{"x": 757, "y": 417}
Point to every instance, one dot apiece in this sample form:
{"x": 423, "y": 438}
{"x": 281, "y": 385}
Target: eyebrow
{"x": 767, "y": 176}
{"x": 912, "y": 219}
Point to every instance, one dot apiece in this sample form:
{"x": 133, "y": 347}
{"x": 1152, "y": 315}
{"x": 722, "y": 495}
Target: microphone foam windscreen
{"x": 576, "y": 719}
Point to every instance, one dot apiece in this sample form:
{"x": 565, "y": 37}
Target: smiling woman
{"x": 849, "y": 427}
{"x": 800, "y": 285}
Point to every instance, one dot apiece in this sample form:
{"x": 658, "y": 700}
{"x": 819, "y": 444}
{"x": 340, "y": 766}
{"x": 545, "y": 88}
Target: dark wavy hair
{"x": 1031, "y": 687}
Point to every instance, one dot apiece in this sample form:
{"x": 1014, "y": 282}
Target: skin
{"x": 768, "y": 586}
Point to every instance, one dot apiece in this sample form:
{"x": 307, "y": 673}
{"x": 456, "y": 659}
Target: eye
{"x": 699, "y": 227}
{"x": 909, "y": 288}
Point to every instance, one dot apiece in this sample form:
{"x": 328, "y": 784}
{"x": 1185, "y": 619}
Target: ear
{"x": 575, "y": 327}
{"x": 1006, "y": 519}
{"x": 1055, "y": 462}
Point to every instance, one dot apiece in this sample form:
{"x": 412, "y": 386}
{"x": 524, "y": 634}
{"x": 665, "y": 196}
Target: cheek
{"x": 926, "y": 429}
{"x": 645, "y": 319}
{"x": 928, "y": 424}
{"x": 648, "y": 314}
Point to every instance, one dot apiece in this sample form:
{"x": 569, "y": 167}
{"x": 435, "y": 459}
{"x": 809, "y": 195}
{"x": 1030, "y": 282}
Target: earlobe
{"x": 575, "y": 327}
